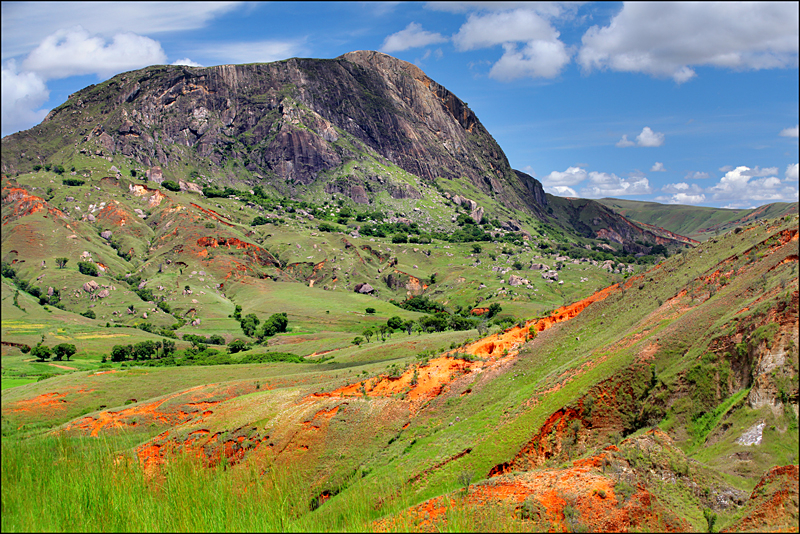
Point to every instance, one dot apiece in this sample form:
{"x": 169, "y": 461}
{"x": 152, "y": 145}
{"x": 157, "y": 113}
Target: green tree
{"x": 87, "y": 268}
{"x": 276, "y": 324}
{"x": 408, "y": 326}
{"x": 394, "y": 322}
{"x": 64, "y": 350}
{"x": 476, "y": 249}
{"x": 237, "y": 345}
{"x": 120, "y": 353}
{"x": 61, "y": 262}
{"x": 370, "y": 311}
{"x": 368, "y": 333}
{"x": 249, "y": 324}
{"x": 41, "y": 352}
{"x": 169, "y": 347}
{"x": 358, "y": 340}
{"x": 494, "y": 309}
{"x": 144, "y": 350}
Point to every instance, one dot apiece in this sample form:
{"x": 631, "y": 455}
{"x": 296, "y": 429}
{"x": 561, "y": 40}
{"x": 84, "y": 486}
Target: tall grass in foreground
{"x": 81, "y": 484}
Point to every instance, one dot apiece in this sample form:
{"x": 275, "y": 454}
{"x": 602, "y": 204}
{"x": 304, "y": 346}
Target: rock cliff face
{"x": 290, "y": 121}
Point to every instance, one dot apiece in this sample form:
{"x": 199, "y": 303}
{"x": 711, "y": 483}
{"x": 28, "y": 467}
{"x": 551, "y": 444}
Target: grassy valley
{"x": 334, "y": 307}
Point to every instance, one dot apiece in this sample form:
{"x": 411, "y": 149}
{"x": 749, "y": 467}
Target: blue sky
{"x": 672, "y": 102}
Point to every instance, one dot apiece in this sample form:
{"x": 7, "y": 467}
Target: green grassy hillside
{"x": 698, "y": 222}
{"x": 658, "y": 404}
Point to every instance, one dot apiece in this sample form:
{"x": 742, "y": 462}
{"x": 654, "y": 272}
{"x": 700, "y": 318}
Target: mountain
{"x": 312, "y": 295}
{"x": 698, "y": 222}
{"x": 364, "y": 127}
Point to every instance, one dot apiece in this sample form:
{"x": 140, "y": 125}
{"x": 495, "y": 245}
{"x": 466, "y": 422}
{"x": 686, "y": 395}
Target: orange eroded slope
{"x": 424, "y": 382}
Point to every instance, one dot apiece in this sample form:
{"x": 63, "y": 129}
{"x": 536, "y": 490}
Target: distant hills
{"x": 697, "y": 222}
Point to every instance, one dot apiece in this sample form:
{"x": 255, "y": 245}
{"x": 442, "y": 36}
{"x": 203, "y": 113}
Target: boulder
{"x": 90, "y": 286}
{"x": 103, "y": 294}
{"x": 364, "y": 289}
{"x": 106, "y": 235}
{"x": 515, "y": 280}
{"x": 477, "y": 214}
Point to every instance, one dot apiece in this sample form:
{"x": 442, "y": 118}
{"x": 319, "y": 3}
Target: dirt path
{"x": 55, "y": 365}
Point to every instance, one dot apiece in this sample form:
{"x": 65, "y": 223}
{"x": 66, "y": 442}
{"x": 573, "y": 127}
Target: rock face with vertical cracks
{"x": 288, "y": 121}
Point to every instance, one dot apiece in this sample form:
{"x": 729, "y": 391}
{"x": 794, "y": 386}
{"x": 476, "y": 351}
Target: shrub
{"x": 89, "y": 314}
{"x": 87, "y": 268}
{"x": 72, "y": 181}
{"x": 170, "y": 185}
{"x": 64, "y": 350}
{"x": 41, "y": 352}
{"x": 276, "y": 323}
{"x": 237, "y": 345}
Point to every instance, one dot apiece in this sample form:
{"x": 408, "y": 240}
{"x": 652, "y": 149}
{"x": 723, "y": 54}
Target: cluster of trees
{"x": 144, "y": 350}
{"x": 58, "y": 169}
{"x": 213, "y": 339}
{"x": 61, "y": 351}
{"x": 437, "y": 319}
{"x": 275, "y": 324}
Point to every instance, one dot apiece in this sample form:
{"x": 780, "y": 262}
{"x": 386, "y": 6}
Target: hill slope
{"x": 697, "y": 222}
{"x": 640, "y": 407}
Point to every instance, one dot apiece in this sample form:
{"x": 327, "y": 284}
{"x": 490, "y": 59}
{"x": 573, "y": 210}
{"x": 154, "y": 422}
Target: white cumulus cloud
{"x": 562, "y": 191}
{"x": 75, "y": 52}
{"x": 698, "y": 175}
{"x": 667, "y": 39}
{"x": 743, "y": 185}
{"x": 649, "y": 138}
{"x": 413, "y": 36}
{"x": 531, "y": 44}
{"x": 519, "y": 25}
{"x": 790, "y": 132}
{"x": 792, "y": 174}
{"x": 611, "y": 185}
{"x": 186, "y": 61}
{"x": 23, "y": 94}
{"x": 658, "y": 167}
{"x": 537, "y": 59}
{"x": 624, "y": 142}
{"x": 572, "y": 176}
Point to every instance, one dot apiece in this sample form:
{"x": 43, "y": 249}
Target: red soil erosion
{"x": 213, "y": 214}
{"x": 114, "y": 215}
{"x": 55, "y": 400}
{"x": 425, "y": 382}
{"x": 772, "y": 506}
{"x": 256, "y": 253}
{"x": 195, "y": 404}
{"x": 581, "y": 486}
{"x": 25, "y": 204}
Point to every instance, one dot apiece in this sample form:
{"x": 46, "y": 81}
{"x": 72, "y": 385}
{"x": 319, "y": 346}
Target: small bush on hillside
{"x": 171, "y": 186}
{"x": 87, "y": 268}
{"x": 72, "y": 181}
